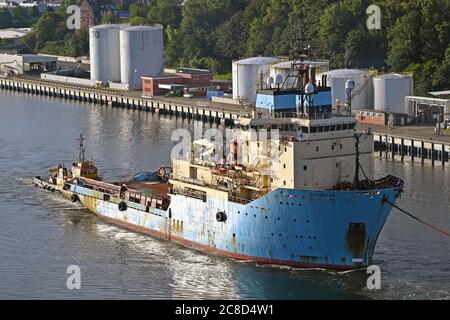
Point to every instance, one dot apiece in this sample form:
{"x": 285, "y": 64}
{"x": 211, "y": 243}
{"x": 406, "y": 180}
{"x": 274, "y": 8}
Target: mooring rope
{"x": 442, "y": 231}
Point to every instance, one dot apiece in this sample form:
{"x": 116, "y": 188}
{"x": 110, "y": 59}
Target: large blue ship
{"x": 293, "y": 186}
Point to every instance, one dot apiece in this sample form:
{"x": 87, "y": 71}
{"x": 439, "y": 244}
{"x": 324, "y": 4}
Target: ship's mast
{"x": 81, "y": 148}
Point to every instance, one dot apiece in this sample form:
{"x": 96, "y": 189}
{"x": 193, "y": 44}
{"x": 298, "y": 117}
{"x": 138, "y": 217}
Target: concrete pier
{"x": 193, "y": 109}
{"x": 409, "y": 149}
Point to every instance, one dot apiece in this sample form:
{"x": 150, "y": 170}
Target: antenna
{"x": 279, "y": 80}
{"x": 270, "y": 82}
{"x": 81, "y": 148}
{"x": 349, "y": 87}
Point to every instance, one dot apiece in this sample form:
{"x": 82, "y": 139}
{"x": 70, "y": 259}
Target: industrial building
{"x": 20, "y": 64}
{"x": 121, "y": 55}
{"x": 390, "y": 91}
{"x": 389, "y": 102}
{"x": 428, "y": 110}
{"x": 195, "y": 81}
{"x": 141, "y": 54}
{"x": 104, "y": 52}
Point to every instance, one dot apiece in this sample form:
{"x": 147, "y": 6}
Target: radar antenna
{"x": 299, "y": 53}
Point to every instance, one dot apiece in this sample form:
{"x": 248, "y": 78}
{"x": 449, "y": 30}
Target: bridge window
{"x": 313, "y": 129}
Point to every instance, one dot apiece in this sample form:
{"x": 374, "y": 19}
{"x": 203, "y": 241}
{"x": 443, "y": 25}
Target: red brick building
{"x": 92, "y": 11}
{"x": 381, "y": 118}
{"x": 194, "y": 80}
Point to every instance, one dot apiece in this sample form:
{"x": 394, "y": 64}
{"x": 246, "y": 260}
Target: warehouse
{"x": 26, "y": 63}
{"x": 182, "y": 78}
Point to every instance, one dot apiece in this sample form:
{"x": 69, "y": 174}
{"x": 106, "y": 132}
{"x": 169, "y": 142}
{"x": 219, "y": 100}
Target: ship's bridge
{"x": 301, "y": 126}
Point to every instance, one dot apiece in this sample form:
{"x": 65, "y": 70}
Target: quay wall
{"x": 103, "y": 96}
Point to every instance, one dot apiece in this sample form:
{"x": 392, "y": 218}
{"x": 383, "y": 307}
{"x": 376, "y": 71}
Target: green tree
{"x": 20, "y": 16}
{"x": 165, "y": 12}
{"x": 109, "y": 17}
{"x": 6, "y": 18}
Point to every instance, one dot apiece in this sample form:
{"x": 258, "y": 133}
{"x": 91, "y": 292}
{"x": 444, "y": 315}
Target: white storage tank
{"x": 363, "y": 92}
{"x": 105, "y": 52}
{"x": 247, "y": 76}
{"x": 141, "y": 54}
{"x": 283, "y": 69}
{"x": 390, "y": 91}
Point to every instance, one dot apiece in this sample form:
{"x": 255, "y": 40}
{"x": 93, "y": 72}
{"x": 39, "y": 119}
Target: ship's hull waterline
{"x": 307, "y": 229}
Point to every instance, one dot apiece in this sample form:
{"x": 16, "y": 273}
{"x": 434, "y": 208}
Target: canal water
{"x": 41, "y": 235}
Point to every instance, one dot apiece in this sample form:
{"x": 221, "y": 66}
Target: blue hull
{"x": 319, "y": 229}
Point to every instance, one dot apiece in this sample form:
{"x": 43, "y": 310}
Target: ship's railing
{"x": 192, "y": 181}
{"x": 190, "y": 193}
{"x": 311, "y": 116}
{"x": 307, "y": 116}
{"x": 239, "y": 200}
{"x": 203, "y": 184}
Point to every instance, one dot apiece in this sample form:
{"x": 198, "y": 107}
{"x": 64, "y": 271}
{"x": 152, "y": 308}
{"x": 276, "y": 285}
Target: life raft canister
{"x": 123, "y": 206}
{"x": 221, "y": 216}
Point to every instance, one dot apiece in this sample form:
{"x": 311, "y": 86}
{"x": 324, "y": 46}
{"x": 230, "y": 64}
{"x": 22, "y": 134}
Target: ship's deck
{"x": 160, "y": 189}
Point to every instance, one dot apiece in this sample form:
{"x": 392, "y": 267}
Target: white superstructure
{"x": 141, "y": 54}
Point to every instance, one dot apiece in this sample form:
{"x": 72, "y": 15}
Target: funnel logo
{"x": 74, "y": 20}
{"x": 374, "y": 19}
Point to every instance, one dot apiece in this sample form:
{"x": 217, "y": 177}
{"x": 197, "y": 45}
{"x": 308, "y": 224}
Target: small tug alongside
{"x": 316, "y": 206}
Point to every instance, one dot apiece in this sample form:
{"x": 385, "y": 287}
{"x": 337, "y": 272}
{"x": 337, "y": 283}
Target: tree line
{"x": 414, "y": 35}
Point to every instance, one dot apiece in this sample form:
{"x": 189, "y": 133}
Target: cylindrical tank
{"x": 247, "y": 76}
{"x": 363, "y": 92}
{"x": 141, "y": 54}
{"x": 105, "y": 52}
{"x": 390, "y": 91}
